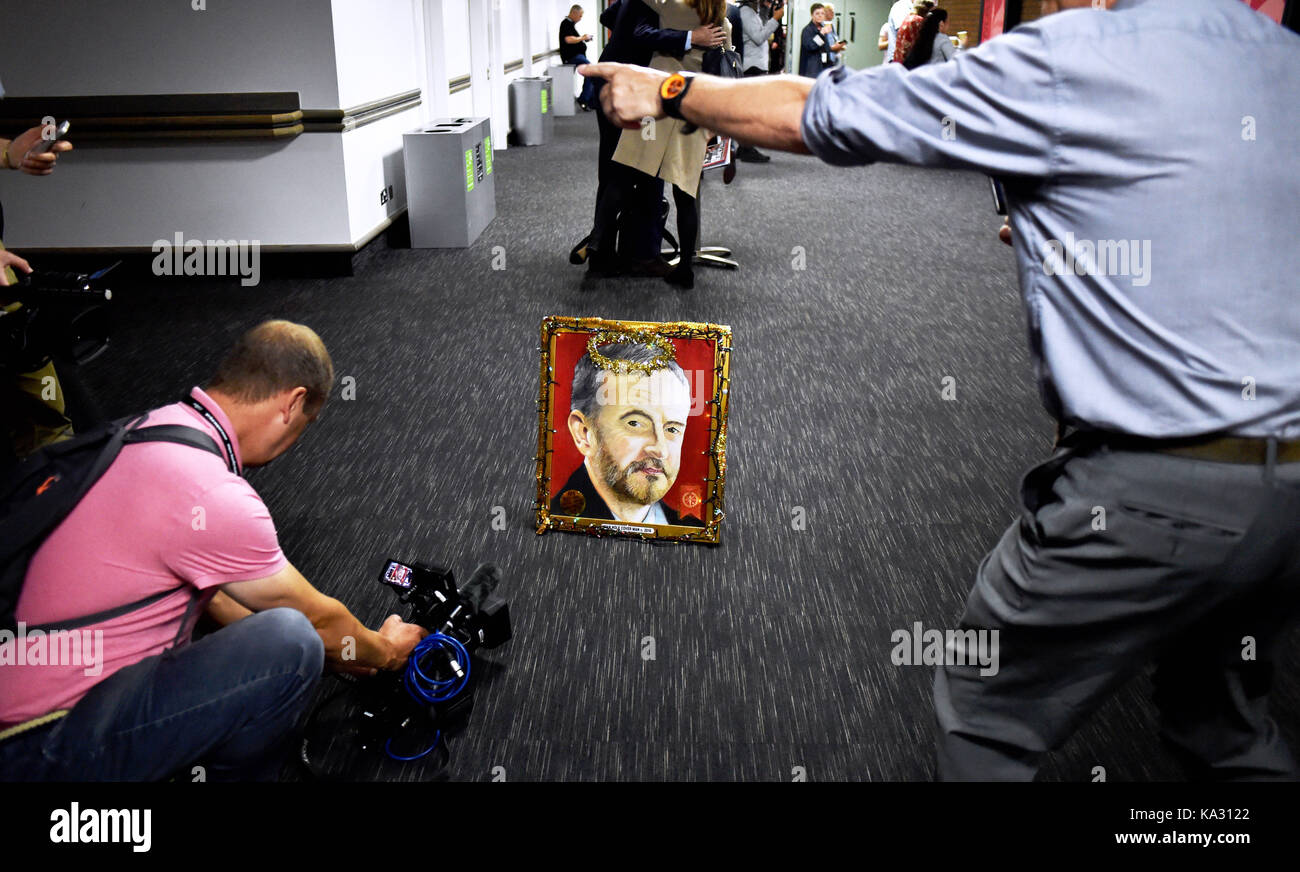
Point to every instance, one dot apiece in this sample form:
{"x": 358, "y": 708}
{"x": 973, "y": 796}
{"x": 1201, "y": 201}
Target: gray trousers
{"x": 1121, "y": 558}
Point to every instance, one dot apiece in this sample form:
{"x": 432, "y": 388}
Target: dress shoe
{"x": 653, "y": 268}
{"x": 682, "y": 276}
{"x": 749, "y": 154}
{"x": 578, "y": 256}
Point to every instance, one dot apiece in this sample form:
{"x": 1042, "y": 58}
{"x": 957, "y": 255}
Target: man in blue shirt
{"x": 837, "y": 45}
{"x": 1148, "y": 157}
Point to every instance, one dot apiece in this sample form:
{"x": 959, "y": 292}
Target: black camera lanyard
{"x": 231, "y": 460}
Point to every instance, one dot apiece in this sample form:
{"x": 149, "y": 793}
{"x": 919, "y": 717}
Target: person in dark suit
{"x": 635, "y": 36}
{"x": 814, "y": 49}
{"x": 629, "y": 428}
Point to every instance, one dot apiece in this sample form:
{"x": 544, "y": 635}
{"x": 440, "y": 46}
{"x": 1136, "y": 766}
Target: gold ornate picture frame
{"x": 632, "y": 428}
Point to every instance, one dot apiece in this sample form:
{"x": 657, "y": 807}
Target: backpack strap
{"x": 106, "y": 615}
{"x": 180, "y": 435}
{"x": 177, "y": 433}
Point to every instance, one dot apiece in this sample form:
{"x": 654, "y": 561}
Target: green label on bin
{"x": 544, "y": 100}
{"x": 487, "y": 153}
{"x": 469, "y": 169}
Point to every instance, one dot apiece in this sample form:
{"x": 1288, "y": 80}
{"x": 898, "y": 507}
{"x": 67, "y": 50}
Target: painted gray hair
{"x": 586, "y": 375}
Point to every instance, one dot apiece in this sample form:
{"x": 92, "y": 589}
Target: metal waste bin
{"x": 564, "y": 79}
{"x": 450, "y": 192}
{"x": 531, "y": 120}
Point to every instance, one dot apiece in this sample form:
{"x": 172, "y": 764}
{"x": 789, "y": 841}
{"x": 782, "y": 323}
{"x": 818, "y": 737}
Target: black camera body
{"x": 63, "y": 317}
{"x": 473, "y": 615}
{"x": 405, "y": 715}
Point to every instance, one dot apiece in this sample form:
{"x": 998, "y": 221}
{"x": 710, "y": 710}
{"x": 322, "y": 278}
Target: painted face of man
{"x": 637, "y": 433}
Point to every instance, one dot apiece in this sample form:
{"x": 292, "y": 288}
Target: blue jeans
{"x": 588, "y": 95}
{"x": 228, "y": 703}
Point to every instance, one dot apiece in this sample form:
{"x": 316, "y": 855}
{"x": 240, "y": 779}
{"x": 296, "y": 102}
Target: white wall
{"x": 317, "y": 189}
{"x": 375, "y": 49}
{"x": 455, "y": 37}
{"x": 79, "y": 47}
{"x": 461, "y": 49}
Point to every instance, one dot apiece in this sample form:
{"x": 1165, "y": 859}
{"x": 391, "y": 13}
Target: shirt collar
{"x": 220, "y": 414}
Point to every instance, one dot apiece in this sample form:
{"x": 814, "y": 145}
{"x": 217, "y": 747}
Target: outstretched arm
{"x": 764, "y": 111}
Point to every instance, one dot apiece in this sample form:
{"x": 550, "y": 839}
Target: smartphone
{"x": 46, "y": 144}
{"x": 397, "y": 575}
{"x": 999, "y": 196}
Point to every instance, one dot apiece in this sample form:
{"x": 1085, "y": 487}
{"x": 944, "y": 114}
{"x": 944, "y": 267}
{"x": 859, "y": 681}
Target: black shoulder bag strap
{"x": 180, "y": 435}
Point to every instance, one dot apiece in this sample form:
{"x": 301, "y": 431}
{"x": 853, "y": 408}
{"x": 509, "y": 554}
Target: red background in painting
{"x": 696, "y": 358}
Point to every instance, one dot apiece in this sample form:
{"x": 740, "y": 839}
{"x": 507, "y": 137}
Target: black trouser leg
{"x": 610, "y": 185}
{"x": 688, "y": 224}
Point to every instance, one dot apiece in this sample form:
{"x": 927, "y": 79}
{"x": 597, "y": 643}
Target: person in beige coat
{"x": 662, "y": 149}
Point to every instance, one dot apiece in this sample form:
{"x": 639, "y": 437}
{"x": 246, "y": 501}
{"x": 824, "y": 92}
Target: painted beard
{"x": 629, "y": 483}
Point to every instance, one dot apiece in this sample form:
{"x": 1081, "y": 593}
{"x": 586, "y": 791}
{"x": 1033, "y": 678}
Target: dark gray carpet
{"x": 772, "y": 649}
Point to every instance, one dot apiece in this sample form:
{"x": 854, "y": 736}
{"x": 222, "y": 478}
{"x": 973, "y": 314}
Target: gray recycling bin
{"x": 532, "y": 120}
{"x": 450, "y": 192}
{"x": 564, "y": 79}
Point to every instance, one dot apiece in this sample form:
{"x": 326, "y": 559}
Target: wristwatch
{"x": 671, "y": 92}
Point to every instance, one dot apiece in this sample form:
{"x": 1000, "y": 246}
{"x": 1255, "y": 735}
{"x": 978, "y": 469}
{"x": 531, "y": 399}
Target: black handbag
{"x": 722, "y": 62}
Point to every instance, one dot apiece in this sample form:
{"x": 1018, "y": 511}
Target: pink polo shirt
{"x": 162, "y": 517}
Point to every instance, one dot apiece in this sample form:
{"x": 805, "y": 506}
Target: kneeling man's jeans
{"x": 228, "y": 703}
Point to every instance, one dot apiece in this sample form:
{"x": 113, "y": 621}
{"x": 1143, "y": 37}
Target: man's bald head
{"x": 273, "y": 357}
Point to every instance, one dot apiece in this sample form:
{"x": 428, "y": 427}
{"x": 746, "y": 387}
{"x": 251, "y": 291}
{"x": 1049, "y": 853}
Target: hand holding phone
{"x": 43, "y": 146}
{"x": 33, "y": 152}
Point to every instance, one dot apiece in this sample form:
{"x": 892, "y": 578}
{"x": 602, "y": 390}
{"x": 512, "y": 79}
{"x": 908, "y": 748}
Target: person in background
{"x": 573, "y": 51}
{"x": 882, "y": 43}
{"x": 30, "y": 419}
{"x": 754, "y": 57}
{"x": 814, "y": 51}
{"x": 910, "y": 28}
{"x": 838, "y": 46}
{"x": 898, "y": 13}
{"x": 776, "y": 45}
{"x": 676, "y": 154}
{"x": 933, "y": 45}
{"x": 627, "y": 216}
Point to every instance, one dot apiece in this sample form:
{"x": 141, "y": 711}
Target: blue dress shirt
{"x": 1150, "y": 160}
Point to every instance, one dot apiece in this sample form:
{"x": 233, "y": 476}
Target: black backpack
{"x": 41, "y": 490}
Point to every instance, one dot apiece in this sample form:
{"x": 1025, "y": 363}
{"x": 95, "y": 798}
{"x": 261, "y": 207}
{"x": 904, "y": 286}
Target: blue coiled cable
{"x": 429, "y": 690}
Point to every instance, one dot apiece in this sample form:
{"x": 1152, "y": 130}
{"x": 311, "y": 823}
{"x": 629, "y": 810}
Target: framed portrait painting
{"x": 632, "y": 428}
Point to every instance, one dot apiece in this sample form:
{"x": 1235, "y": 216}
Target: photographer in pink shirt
{"x": 180, "y": 523}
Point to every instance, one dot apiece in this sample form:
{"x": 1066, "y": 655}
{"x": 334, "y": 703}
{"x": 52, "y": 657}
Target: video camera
{"x": 63, "y": 316}
{"x": 473, "y": 615}
{"x": 405, "y": 714}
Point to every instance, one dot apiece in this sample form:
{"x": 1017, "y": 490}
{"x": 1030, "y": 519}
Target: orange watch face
{"x": 672, "y": 86}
